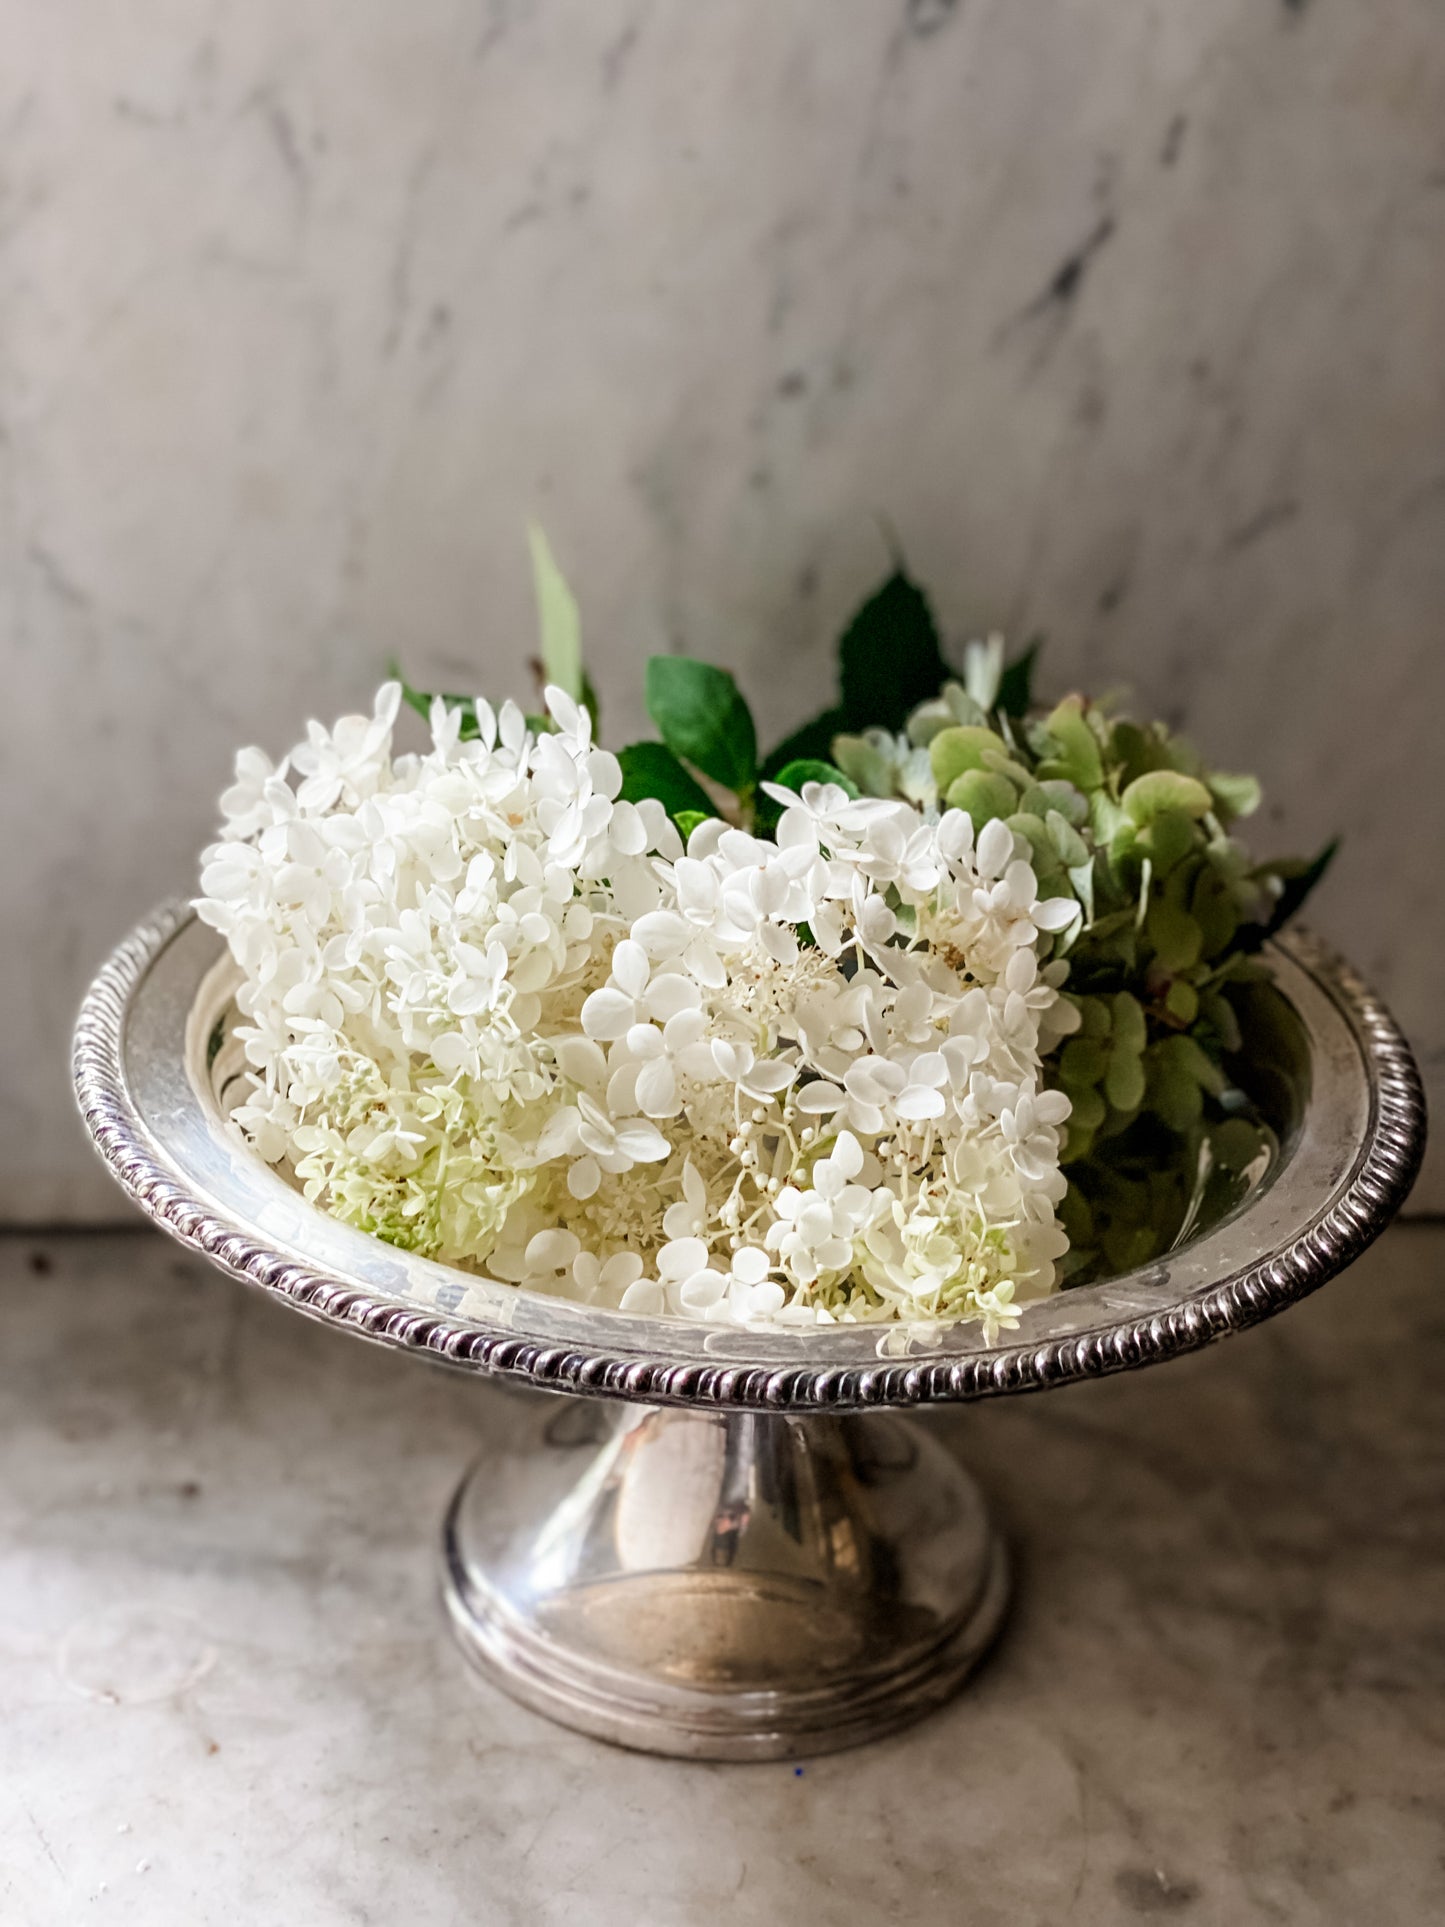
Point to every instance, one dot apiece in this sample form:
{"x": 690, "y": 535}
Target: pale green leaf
{"x": 558, "y": 622}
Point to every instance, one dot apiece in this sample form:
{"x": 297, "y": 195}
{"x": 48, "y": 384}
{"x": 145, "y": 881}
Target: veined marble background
{"x": 1128, "y": 318}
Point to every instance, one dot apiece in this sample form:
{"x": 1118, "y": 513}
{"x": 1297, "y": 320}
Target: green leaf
{"x": 1179, "y": 1071}
{"x": 589, "y": 702}
{"x": 1297, "y": 887}
{"x": 1049, "y": 873}
{"x": 889, "y": 657}
{"x": 1004, "y": 765}
{"x": 1176, "y": 937}
{"x": 1130, "y": 1026}
{"x": 953, "y": 705}
{"x": 417, "y": 699}
{"x": 1181, "y": 1000}
{"x": 1071, "y": 804}
{"x": 688, "y": 820}
{"x": 862, "y": 761}
{"x": 1088, "y": 1113}
{"x": 1214, "y": 911}
{"x": 982, "y": 795}
{"x": 1016, "y": 685}
{"x": 702, "y": 716}
{"x": 812, "y": 740}
{"x": 1165, "y": 789}
{"x": 1081, "y": 762}
{"x": 1111, "y": 937}
{"x": 1072, "y": 849}
{"x": 1124, "y": 1082}
{"x": 1235, "y": 795}
{"x": 1173, "y": 1094}
{"x": 557, "y": 619}
{"x": 1044, "y": 856}
{"x": 1129, "y": 1244}
{"x": 1076, "y": 1217}
{"x": 1133, "y": 749}
{"x": 1217, "y": 1012}
{"x": 1237, "y": 1142}
{"x": 421, "y": 701}
{"x": 1106, "y": 818}
{"x": 1082, "y": 1062}
{"x": 651, "y": 769}
{"x": 1200, "y": 1066}
{"x": 808, "y": 769}
{"x": 1170, "y": 836}
{"x": 1081, "y": 881}
{"x": 1095, "y": 1018}
{"x": 952, "y": 751}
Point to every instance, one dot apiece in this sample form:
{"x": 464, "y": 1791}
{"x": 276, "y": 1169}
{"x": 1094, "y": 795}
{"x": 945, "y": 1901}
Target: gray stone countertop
{"x": 227, "y": 1694}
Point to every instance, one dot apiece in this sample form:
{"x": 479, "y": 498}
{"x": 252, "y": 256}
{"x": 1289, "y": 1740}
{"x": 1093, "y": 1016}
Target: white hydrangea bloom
{"x": 495, "y": 1014}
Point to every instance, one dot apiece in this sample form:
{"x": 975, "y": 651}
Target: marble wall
{"x": 1128, "y": 317}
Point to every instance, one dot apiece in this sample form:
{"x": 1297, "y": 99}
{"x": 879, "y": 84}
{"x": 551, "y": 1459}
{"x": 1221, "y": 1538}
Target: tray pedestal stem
{"x": 723, "y": 1585}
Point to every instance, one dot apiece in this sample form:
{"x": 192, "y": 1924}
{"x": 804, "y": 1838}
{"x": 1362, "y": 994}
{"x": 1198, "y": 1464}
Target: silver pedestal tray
{"x": 753, "y": 1556}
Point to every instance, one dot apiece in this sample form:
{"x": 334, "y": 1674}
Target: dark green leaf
{"x": 651, "y": 769}
{"x": 807, "y": 769}
{"x": 1215, "y": 912}
{"x": 1016, "y": 685}
{"x": 702, "y": 716}
{"x": 1217, "y": 1017}
{"x": 889, "y": 657}
{"x": 1095, "y": 1016}
{"x": 1174, "y": 1094}
{"x": 810, "y": 769}
{"x": 1237, "y": 1142}
{"x": 1082, "y": 1062}
{"x": 1297, "y": 887}
{"x": 421, "y": 701}
{"x": 1181, "y": 1057}
{"x": 814, "y": 740}
{"x": 1176, "y": 937}
{"x": 417, "y": 698}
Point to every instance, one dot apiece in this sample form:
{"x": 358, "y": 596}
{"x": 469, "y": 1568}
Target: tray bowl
{"x": 737, "y": 1548}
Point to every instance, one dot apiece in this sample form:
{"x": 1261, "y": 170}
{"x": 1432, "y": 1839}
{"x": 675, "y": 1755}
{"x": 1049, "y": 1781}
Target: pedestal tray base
{"x": 723, "y": 1585}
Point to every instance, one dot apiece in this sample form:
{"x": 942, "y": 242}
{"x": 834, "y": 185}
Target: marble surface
{"x": 1127, "y": 319}
{"x": 227, "y": 1693}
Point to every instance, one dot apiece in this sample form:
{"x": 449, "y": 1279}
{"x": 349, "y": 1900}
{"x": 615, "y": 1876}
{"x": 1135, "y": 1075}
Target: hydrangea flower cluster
{"x": 497, "y": 1014}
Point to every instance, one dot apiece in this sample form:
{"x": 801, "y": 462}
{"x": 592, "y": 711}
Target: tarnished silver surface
{"x": 724, "y": 1585}
{"x": 720, "y": 1579}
